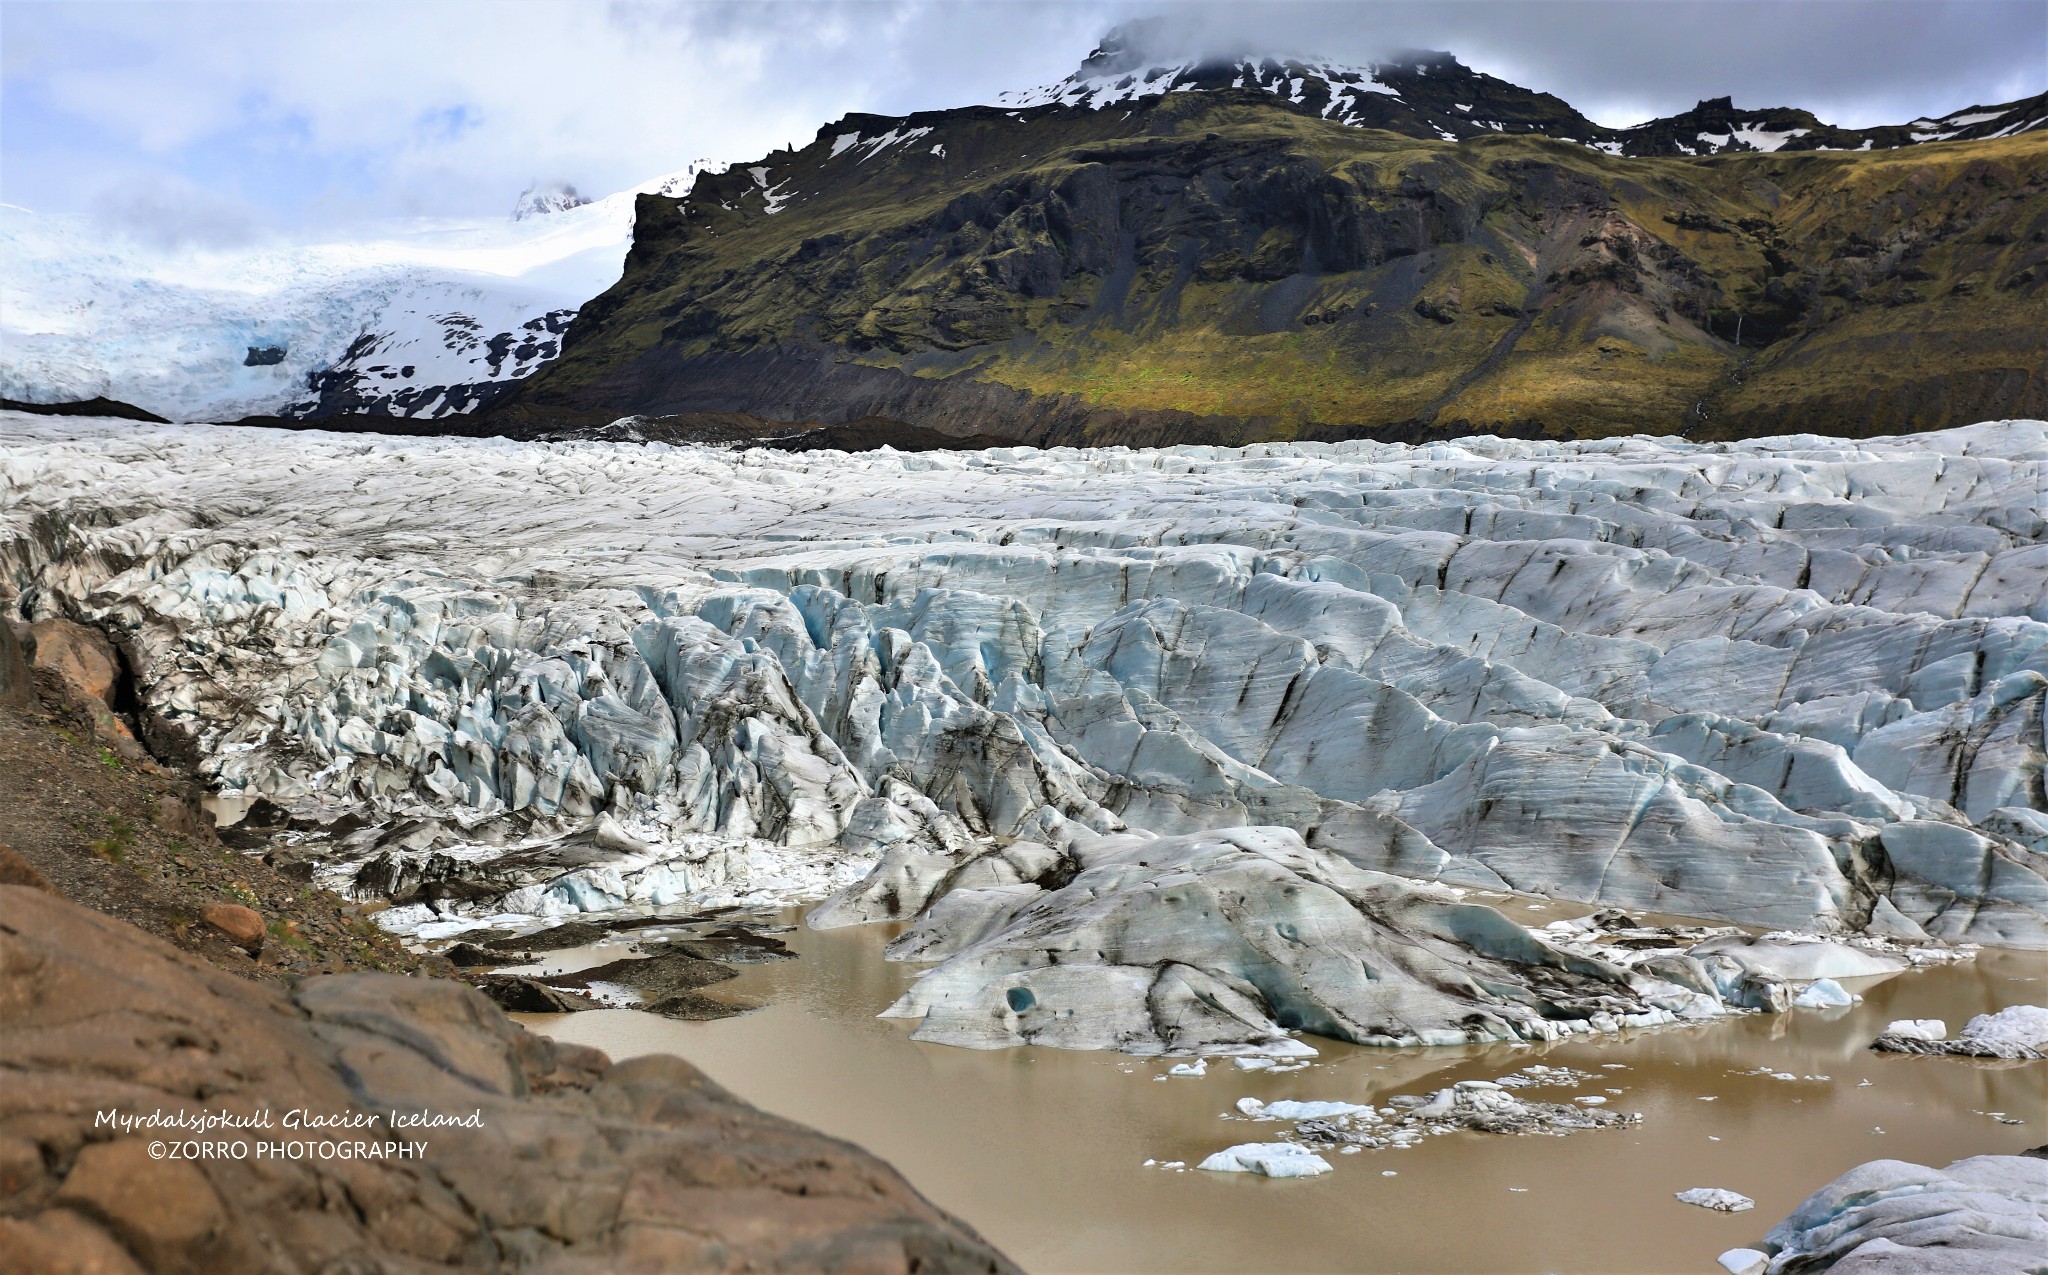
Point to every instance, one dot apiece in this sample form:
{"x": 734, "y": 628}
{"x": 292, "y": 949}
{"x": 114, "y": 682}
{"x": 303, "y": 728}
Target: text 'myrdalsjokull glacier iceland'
{"x": 1793, "y": 683}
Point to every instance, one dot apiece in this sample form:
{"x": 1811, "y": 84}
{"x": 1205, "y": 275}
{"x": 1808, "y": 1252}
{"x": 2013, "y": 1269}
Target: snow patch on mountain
{"x": 542, "y": 198}
{"x": 1342, "y": 85}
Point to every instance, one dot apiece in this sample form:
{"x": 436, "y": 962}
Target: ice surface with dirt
{"x": 1790, "y": 683}
{"x": 2017, "y": 1032}
{"x": 1987, "y": 1215}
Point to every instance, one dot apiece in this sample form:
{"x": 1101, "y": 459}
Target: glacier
{"x": 406, "y": 317}
{"x": 1793, "y": 683}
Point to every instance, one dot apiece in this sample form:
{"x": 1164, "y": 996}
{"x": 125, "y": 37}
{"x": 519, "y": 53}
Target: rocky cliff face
{"x": 573, "y": 1163}
{"x": 1115, "y": 262}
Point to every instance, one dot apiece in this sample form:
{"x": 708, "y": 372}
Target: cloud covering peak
{"x": 320, "y": 112}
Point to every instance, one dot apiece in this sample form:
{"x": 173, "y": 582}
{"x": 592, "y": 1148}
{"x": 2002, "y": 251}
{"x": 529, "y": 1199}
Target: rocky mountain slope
{"x": 1790, "y": 685}
{"x": 1229, "y": 252}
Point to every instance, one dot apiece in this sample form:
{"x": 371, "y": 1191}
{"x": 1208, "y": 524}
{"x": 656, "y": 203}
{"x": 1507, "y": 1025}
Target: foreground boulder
{"x": 563, "y": 1161}
{"x": 1987, "y": 1215}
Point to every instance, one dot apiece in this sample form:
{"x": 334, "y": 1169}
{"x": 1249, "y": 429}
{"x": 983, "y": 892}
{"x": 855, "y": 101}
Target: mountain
{"x": 1156, "y": 248}
{"x": 1432, "y": 94}
{"x": 1228, "y": 252}
{"x": 415, "y": 318}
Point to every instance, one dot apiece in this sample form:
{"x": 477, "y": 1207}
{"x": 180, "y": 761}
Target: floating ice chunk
{"x": 1288, "y": 1109}
{"x": 1744, "y": 1261}
{"x": 1824, "y": 993}
{"x": 2018, "y": 1032}
{"x": 1917, "y": 1029}
{"x": 1987, "y": 1213}
{"x": 2024, "y": 1026}
{"x": 1712, "y": 1197}
{"x": 1199, "y": 1067}
{"x": 1267, "y": 1159}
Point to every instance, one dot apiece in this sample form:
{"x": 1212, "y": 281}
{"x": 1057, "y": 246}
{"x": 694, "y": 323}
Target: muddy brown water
{"x": 1042, "y": 1150}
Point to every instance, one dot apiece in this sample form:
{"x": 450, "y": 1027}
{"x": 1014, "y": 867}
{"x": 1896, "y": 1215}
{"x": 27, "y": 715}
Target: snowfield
{"x": 415, "y": 315}
{"x": 1793, "y": 683}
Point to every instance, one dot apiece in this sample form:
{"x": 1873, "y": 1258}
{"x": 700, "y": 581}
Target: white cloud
{"x": 332, "y": 111}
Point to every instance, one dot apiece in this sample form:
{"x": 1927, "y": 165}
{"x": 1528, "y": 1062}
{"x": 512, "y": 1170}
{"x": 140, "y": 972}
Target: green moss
{"x": 1251, "y": 263}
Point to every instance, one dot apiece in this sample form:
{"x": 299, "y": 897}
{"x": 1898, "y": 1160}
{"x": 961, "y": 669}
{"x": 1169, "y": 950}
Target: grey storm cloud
{"x": 314, "y": 111}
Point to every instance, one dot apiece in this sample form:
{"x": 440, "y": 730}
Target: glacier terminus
{"x": 1049, "y": 705}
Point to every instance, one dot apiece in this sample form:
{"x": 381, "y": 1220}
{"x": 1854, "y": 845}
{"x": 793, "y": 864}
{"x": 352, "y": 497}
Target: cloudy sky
{"x": 216, "y": 120}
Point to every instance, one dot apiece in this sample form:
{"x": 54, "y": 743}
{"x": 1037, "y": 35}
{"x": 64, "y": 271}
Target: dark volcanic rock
{"x": 691, "y": 1007}
{"x": 667, "y": 982}
{"x": 530, "y": 996}
{"x": 568, "y": 934}
{"x": 572, "y": 1164}
{"x": 84, "y": 407}
{"x": 470, "y": 956}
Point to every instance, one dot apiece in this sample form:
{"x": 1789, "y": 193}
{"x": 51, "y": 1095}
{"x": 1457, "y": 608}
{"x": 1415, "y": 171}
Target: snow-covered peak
{"x": 410, "y": 317}
{"x": 542, "y": 198}
{"x": 1341, "y": 84}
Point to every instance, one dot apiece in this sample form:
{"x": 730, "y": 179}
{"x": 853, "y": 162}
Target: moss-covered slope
{"x": 1223, "y": 266}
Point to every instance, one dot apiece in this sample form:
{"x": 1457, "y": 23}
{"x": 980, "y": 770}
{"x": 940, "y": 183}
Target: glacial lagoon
{"x": 1044, "y": 1149}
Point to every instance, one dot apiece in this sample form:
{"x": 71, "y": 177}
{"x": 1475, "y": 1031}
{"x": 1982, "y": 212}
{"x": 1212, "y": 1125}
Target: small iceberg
{"x": 1712, "y": 1197}
{"x": 1288, "y": 1109}
{"x": 1267, "y": 1159}
{"x": 1824, "y": 993}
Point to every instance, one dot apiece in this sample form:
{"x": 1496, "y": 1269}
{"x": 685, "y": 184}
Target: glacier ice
{"x": 1267, "y": 1159}
{"x": 1790, "y": 683}
{"x": 1986, "y": 1215}
{"x": 1226, "y": 941}
{"x": 414, "y": 317}
{"x": 1716, "y": 1198}
{"x": 2015, "y": 1032}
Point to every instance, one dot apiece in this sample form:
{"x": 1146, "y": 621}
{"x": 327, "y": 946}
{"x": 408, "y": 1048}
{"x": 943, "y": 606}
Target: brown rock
{"x": 666, "y": 973}
{"x": 84, "y": 663}
{"x": 647, "y": 1165}
{"x": 242, "y": 926}
{"x": 525, "y": 996}
{"x": 60, "y": 1242}
{"x": 15, "y": 870}
{"x": 182, "y": 817}
{"x": 164, "y": 1210}
{"x": 466, "y": 956}
{"x": 15, "y": 685}
{"x": 79, "y": 656}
